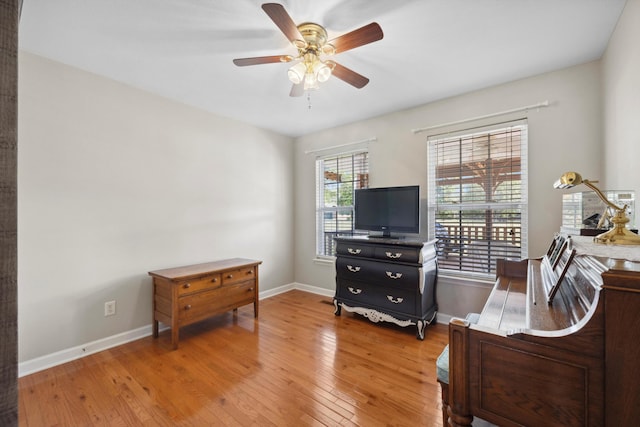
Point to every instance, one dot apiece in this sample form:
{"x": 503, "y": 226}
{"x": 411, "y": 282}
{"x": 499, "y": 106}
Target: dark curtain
{"x": 9, "y": 17}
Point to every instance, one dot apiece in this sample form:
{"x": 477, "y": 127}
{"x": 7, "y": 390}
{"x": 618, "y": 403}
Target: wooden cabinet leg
{"x": 155, "y": 329}
{"x": 459, "y": 421}
{"x": 445, "y": 403}
{"x": 459, "y": 401}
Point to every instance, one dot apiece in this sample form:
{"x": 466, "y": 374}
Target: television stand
{"x": 387, "y": 280}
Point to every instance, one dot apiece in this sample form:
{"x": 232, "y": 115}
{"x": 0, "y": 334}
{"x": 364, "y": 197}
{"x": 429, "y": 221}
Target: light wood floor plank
{"x": 297, "y": 365}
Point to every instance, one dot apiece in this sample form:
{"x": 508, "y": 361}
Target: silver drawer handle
{"x": 355, "y": 291}
{"x": 393, "y": 255}
{"x": 354, "y": 251}
{"x": 353, "y": 269}
{"x": 395, "y": 300}
{"x": 394, "y": 275}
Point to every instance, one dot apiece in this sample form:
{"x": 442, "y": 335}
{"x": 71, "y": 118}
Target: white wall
{"x": 621, "y": 76}
{"x": 565, "y": 136}
{"x": 114, "y": 182}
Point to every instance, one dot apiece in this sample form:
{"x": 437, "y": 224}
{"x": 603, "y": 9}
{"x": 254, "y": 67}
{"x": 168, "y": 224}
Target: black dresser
{"x": 387, "y": 280}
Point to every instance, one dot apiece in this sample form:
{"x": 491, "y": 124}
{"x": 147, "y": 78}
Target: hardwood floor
{"x": 296, "y": 365}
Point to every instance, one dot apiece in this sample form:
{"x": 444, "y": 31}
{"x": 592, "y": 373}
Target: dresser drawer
{"x": 388, "y": 299}
{"x": 354, "y": 249}
{"x": 199, "y": 306}
{"x": 397, "y": 254}
{"x": 383, "y": 273}
{"x": 239, "y": 275}
{"x": 198, "y": 284}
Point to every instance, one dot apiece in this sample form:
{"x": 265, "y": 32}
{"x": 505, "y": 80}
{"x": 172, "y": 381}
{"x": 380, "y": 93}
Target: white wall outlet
{"x": 109, "y": 308}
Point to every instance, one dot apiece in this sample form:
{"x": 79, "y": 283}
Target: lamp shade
{"x": 322, "y": 71}
{"x": 568, "y": 180}
{"x": 296, "y": 73}
{"x": 310, "y": 82}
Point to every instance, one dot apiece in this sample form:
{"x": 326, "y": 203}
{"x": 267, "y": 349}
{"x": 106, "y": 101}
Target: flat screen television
{"x": 388, "y": 209}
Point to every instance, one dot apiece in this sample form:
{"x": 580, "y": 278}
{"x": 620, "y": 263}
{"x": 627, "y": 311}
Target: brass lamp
{"x": 619, "y": 234}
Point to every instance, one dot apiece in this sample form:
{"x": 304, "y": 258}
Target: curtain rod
{"x": 341, "y": 145}
{"x": 514, "y": 110}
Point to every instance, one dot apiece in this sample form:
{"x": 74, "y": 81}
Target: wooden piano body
{"x": 571, "y": 361}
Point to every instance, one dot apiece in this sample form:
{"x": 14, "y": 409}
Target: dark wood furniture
{"x": 388, "y": 280}
{"x": 188, "y": 294}
{"x": 535, "y": 361}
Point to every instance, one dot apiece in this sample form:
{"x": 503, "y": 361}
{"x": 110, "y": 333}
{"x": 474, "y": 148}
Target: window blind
{"x": 478, "y": 197}
{"x": 337, "y": 177}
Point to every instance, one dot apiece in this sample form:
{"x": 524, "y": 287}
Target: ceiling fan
{"x": 310, "y": 40}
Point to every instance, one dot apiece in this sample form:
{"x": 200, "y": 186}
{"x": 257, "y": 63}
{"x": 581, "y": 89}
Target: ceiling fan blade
{"x": 297, "y": 90}
{"x": 243, "y": 62}
{"x": 349, "y": 76}
{"x": 356, "y": 38}
{"x": 281, "y": 18}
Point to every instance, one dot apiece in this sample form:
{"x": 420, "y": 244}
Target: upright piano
{"x": 557, "y": 343}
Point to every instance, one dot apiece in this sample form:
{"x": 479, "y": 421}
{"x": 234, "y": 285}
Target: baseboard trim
{"x": 443, "y": 318}
{"x": 73, "y": 353}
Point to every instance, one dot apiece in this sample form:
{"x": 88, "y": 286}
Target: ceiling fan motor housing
{"x": 315, "y": 36}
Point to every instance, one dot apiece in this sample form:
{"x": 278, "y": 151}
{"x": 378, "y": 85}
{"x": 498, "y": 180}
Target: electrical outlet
{"x": 109, "y": 308}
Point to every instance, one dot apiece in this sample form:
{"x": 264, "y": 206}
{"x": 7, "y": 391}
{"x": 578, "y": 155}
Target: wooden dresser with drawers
{"x": 185, "y": 295}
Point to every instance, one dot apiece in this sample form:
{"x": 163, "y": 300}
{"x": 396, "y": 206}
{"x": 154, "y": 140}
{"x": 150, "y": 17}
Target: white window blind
{"x": 337, "y": 177}
{"x": 478, "y": 197}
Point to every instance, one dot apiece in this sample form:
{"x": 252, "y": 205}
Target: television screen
{"x": 389, "y": 209}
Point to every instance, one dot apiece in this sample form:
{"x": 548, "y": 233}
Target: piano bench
{"x": 442, "y": 371}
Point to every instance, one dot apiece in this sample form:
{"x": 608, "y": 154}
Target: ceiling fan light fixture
{"x": 311, "y": 42}
{"x": 311, "y": 82}
{"x": 322, "y": 71}
{"x": 297, "y": 72}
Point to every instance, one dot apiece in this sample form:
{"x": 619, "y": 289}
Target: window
{"x": 337, "y": 178}
{"x": 478, "y": 197}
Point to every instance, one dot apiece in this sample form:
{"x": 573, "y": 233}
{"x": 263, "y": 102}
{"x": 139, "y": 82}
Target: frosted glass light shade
{"x": 323, "y": 72}
{"x": 296, "y": 73}
{"x": 310, "y": 81}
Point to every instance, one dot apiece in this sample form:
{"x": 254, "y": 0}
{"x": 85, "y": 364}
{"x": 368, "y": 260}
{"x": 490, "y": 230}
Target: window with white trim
{"x": 337, "y": 177}
{"x": 478, "y": 197}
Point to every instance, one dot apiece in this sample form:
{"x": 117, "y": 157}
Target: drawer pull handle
{"x": 229, "y": 276}
{"x": 394, "y": 275}
{"x": 395, "y": 300}
{"x": 353, "y": 269}
{"x": 214, "y": 280}
{"x": 355, "y": 291}
{"x": 250, "y": 290}
{"x": 187, "y": 307}
{"x": 354, "y": 251}
{"x": 187, "y": 285}
{"x": 250, "y": 272}
{"x": 393, "y": 255}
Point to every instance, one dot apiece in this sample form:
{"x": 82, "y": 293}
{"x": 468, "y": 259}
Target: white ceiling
{"x": 432, "y": 49}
